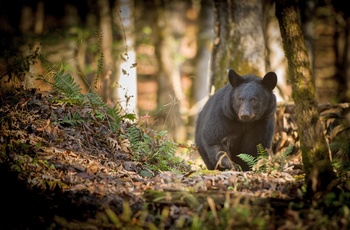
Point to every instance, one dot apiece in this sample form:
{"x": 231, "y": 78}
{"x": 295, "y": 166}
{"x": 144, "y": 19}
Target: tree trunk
{"x": 247, "y": 44}
{"x": 317, "y": 167}
{"x": 107, "y": 49}
{"x": 221, "y": 54}
{"x": 276, "y": 60}
{"x": 127, "y": 74}
{"x": 38, "y": 30}
{"x": 26, "y": 21}
{"x": 239, "y": 43}
{"x": 204, "y": 40}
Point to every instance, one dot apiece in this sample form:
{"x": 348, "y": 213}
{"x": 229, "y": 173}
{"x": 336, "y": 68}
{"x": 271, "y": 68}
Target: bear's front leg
{"x": 218, "y": 156}
{"x": 259, "y": 133}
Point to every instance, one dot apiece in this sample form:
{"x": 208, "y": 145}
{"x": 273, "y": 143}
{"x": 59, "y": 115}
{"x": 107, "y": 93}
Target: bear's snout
{"x": 245, "y": 117}
{"x": 245, "y": 114}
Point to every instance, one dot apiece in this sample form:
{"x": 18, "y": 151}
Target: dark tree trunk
{"x": 239, "y": 40}
{"x": 107, "y": 44}
{"x": 317, "y": 166}
{"x": 220, "y": 55}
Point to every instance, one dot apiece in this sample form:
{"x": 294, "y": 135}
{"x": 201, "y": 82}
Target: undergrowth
{"x": 266, "y": 161}
{"x": 155, "y": 150}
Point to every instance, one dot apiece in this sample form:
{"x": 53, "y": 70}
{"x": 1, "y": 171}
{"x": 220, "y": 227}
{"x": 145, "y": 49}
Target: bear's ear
{"x": 234, "y": 78}
{"x": 270, "y": 80}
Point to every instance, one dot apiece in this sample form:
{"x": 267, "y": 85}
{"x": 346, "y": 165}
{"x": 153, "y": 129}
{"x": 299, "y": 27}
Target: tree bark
{"x": 127, "y": 70}
{"x": 107, "y": 50}
{"x": 247, "y": 44}
{"x": 317, "y": 166}
{"x": 239, "y": 40}
{"x": 276, "y": 60}
{"x": 204, "y": 39}
{"x": 221, "y": 54}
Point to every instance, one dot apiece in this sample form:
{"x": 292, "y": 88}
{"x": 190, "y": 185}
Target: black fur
{"x": 236, "y": 119}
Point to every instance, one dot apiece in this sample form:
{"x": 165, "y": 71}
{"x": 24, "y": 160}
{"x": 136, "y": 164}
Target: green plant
{"x": 154, "y": 149}
{"x": 286, "y": 152}
{"x": 249, "y": 159}
{"x": 72, "y": 119}
{"x": 65, "y": 84}
{"x": 235, "y": 213}
{"x": 266, "y": 161}
{"x": 340, "y": 148}
{"x": 99, "y": 35}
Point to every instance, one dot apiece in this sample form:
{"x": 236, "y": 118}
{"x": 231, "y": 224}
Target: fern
{"x": 262, "y": 153}
{"x": 265, "y": 161}
{"x": 135, "y": 137}
{"x": 249, "y": 159}
{"x": 99, "y": 35}
{"x": 95, "y": 101}
{"x": 286, "y": 152}
{"x": 115, "y": 118}
{"x": 49, "y": 67}
{"x": 166, "y": 148}
{"x": 72, "y": 119}
{"x": 65, "y": 83}
{"x": 154, "y": 149}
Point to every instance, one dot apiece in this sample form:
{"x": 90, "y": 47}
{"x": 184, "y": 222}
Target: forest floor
{"x": 63, "y": 168}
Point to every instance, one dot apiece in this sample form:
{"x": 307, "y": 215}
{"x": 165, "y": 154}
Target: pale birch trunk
{"x": 204, "y": 43}
{"x": 127, "y": 91}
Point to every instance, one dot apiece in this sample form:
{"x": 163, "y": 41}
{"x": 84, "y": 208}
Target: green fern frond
{"x": 154, "y": 149}
{"x": 49, "y": 67}
{"x": 65, "y": 83}
{"x": 135, "y": 137}
{"x": 249, "y": 159}
{"x": 286, "y": 152}
{"x": 116, "y": 118}
{"x": 96, "y": 101}
{"x": 99, "y": 69}
{"x": 262, "y": 151}
{"x": 72, "y": 119}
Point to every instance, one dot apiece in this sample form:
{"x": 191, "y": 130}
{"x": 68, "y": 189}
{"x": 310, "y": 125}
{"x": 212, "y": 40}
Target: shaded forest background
{"x": 157, "y": 54}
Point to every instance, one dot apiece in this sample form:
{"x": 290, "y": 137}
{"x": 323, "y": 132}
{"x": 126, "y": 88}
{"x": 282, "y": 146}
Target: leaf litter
{"x": 66, "y": 169}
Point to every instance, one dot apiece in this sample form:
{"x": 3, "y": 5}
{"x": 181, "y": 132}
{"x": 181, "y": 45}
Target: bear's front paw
{"x": 224, "y": 162}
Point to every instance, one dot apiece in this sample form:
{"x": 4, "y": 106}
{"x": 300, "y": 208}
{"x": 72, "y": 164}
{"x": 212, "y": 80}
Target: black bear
{"x": 236, "y": 119}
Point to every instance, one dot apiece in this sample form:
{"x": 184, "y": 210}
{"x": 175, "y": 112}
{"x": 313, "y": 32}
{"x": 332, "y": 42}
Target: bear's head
{"x": 251, "y": 96}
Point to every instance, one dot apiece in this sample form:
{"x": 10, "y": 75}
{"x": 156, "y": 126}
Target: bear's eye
{"x": 253, "y": 100}
{"x": 240, "y": 100}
